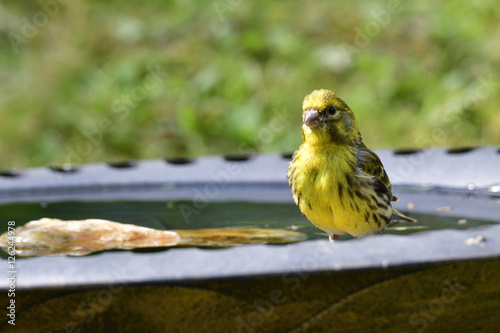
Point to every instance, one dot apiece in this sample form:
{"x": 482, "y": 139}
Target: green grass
{"x": 230, "y": 76}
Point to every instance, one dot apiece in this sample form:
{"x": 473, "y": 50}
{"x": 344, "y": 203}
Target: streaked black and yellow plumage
{"x": 337, "y": 182}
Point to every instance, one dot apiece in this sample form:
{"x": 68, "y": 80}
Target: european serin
{"x": 338, "y": 183}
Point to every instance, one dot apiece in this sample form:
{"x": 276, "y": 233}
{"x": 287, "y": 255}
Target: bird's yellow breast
{"x": 321, "y": 188}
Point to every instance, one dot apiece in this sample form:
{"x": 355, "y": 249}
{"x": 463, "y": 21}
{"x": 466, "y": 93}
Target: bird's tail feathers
{"x": 400, "y": 217}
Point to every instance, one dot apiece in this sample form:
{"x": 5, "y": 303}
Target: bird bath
{"x": 440, "y": 273}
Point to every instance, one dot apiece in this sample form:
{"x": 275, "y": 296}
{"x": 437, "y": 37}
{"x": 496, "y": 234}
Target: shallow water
{"x": 197, "y": 215}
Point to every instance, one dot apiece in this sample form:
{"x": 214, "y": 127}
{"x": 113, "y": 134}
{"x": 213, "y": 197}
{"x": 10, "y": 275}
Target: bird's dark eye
{"x": 331, "y": 110}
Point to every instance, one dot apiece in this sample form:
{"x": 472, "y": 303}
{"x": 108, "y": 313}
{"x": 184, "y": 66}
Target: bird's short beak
{"x": 311, "y": 118}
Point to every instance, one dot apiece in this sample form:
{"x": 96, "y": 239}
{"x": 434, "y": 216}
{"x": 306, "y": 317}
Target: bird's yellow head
{"x": 327, "y": 119}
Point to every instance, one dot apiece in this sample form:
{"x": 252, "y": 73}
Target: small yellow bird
{"x": 337, "y": 182}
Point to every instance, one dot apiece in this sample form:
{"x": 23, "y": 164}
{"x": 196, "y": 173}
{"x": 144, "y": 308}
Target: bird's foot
{"x": 333, "y": 238}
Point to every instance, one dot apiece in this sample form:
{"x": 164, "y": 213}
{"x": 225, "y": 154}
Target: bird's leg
{"x": 333, "y": 238}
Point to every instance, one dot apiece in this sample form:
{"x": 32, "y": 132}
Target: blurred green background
{"x": 88, "y": 81}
